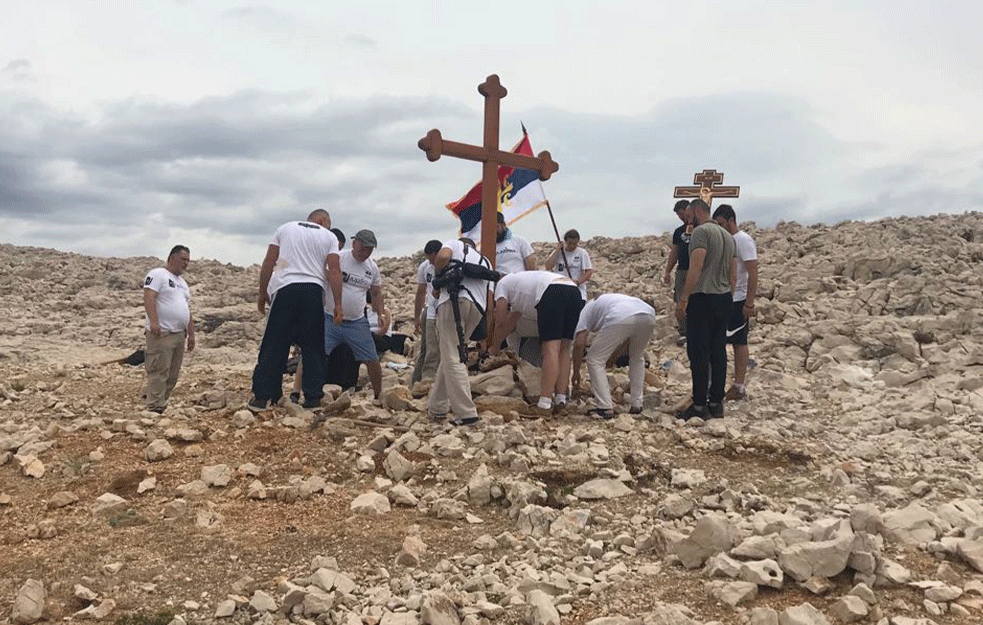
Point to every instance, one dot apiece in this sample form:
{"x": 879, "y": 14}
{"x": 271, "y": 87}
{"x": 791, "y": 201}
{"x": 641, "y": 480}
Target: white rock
{"x": 734, "y": 593}
{"x": 401, "y": 495}
{"x": 802, "y": 614}
{"x": 225, "y": 608}
{"x": 97, "y": 612}
{"x": 411, "y": 552}
{"x": 438, "y": 609}
{"x": 217, "y": 475}
{"x": 763, "y": 573}
{"x": 262, "y": 602}
{"x": 158, "y": 449}
{"x": 687, "y": 478}
{"x": 711, "y": 535}
{"x": 541, "y": 610}
{"x": 108, "y": 504}
{"x": 146, "y": 484}
{"x": 30, "y": 466}
{"x": 29, "y": 602}
{"x": 371, "y": 503}
{"x": 849, "y": 609}
{"x": 602, "y": 489}
{"x": 398, "y": 467}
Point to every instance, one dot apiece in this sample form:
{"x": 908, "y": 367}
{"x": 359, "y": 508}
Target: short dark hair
{"x": 500, "y": 218}
{"x": 341, "y": 237}
{"x": 699, "y": 205}
{"x": 726, "y": 211}
{"x": 177, "y": 249}
{"x": 571, "y": 234}
{"x": 680, "y": 205}
{"x": 432, "y": 247}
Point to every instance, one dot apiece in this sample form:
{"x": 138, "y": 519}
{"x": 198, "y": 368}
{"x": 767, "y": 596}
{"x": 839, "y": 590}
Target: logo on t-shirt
{"x": 148, "y": 281}
{"x": 170, "y": 283}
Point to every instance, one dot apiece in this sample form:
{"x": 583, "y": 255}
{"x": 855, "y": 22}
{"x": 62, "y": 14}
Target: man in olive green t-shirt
{"x": 705, "y": 303}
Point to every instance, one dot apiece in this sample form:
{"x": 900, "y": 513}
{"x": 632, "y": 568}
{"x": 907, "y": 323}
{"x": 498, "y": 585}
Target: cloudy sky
{"x": 126, "y": 127}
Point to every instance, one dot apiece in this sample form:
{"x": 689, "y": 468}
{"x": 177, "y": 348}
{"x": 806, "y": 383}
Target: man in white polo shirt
{"x": 425, "y": 315}
{"x": 555, "y": 302}
{"x": 512, "y": 252}
{"x": 305, "y": 257}
{"x": 612, "y": 319}
{"x": 166, "y": 300}
{"x": 360, "y": 276}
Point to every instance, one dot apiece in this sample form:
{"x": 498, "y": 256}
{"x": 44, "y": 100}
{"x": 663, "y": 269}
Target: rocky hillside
{"x": 846, "y": 490}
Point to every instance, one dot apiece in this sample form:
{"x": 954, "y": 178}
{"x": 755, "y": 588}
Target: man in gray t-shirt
{"x": 705, "y": 303}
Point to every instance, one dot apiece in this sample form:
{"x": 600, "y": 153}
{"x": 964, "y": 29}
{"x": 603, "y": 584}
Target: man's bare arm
{"x": 671, "y": 263}
{"x": 150, "y": 307}
{"x": 333, "y": 273}
{"x": 418, "y": 303}
{"x": 551, "y": 260}
{"x": 266, "y": 270}
{"x": 531, "y": 262}
{"x": 587, "y": 275}
{"x": 579, "y": 348}
{"x": 378, "y": 303}
{"x": 733, "y": 275}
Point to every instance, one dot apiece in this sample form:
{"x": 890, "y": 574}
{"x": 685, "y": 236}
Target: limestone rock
{"x": 602, "y": 489}
{"x": 30, "y": 466}
{"x": 711, "y": 535}
{"x": 802, "y": 614}
{"x": 412, "y": 551}
{"x": 108, "y": 504}
{"x": 97, "y": 612}
{"x": 398, "y": 467}
{"x": 541, "y": 610}
{"x": 158, "y": 449}
{"x": 29, "y": 602}
{"x": 62, "y": 498}
{"x": 849, "y": 609}
{"x": 262, "y": 602}
{"x": 498, "y": 382}
{"x": 438, "y": 609}
{"x": 216, "y": 475}
{"x": 370, "y": 503}
{"x": 734, "y": 593}
{"x": 763, "y": 573}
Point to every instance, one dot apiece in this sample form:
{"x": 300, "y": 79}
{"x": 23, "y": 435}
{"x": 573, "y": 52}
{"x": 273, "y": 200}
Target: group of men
{"x": 319, "y": 298}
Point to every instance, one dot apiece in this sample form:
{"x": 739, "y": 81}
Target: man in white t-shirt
{"x": 745, "y": 288}
{"x": 304, "y": 255}
{"x": 169, "y": 327}
{"x": 450, "y": 392}
{"x": 512, "y": 252}
{"x": 425, "y": 315}
{"x": 572, "y": 261}
{"x": 612, "y": 319}
{"x": 360, "y": 276}
{"x": 555, "y": 303}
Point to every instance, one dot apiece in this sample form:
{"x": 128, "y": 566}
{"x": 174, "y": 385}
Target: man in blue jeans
{"x": 706, "y": 303}
{"x": 359, "y": 276}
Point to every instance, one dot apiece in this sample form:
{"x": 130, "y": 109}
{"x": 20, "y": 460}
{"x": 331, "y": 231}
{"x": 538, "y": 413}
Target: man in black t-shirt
{"x": 679, "y": 257}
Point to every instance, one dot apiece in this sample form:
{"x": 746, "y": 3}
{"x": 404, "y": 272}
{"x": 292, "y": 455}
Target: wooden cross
{"x": 706, "y": 187}
{"x": 491, "y": 157}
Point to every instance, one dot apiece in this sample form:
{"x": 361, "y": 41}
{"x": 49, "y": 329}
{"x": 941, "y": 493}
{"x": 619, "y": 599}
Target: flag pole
{"x": 556, "y": 231}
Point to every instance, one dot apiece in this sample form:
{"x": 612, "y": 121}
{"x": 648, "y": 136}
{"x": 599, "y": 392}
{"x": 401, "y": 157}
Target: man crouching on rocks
{"x": 169, "y": 327}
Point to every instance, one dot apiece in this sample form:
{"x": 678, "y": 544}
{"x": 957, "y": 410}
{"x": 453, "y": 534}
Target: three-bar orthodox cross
{"x": 706, "y": 187}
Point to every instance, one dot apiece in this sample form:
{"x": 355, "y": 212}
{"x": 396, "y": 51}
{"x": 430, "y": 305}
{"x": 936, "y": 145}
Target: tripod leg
{"x": 456, "y": 307}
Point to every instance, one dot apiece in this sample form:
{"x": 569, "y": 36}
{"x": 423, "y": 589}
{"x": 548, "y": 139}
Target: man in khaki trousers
{"x": 169, "y": 327}
{"x": 613, "y": 319}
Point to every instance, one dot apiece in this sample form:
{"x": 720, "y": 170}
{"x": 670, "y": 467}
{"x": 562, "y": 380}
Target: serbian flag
{"x": 520, "y": 192}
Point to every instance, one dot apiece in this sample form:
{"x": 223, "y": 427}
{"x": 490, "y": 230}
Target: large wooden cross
{"x": 706, "y": 187}
{"x": 491, "y": 157}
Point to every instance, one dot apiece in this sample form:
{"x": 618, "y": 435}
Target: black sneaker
{"x": 256, "y": 406}
{"x": 464, "y": 420}
{"x": 295, "y": 397}
{"x": 716, "y": 410}
{"x": 635, "y": 410}
{"x": 602, "y": 413}
{"x": 310, "y": 404}
{"x": 692, "y": 412}
{"x": 157, "y": 410}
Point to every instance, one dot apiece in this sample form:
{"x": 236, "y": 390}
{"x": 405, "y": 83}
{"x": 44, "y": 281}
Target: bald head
{"x": 320, "y": 217}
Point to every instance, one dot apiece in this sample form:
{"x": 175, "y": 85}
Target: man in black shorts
{"x": 554, "y": 301}
{"x": 745, "y": 288}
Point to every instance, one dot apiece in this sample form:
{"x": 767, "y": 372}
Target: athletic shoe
{"x": 692, "y": 411}
{"x": 295, "y": 397}
{"x": 464, "y": 420}
{"x": 681, "y": 341}
{"x": 602, "y": 413}
{"x": 157, "y": 410}
{"x": 735, "y": 394}
{"x": 635, "y": 410}
{"x": 534, "y": 412}
{"x": 310, "y": 404}
{"x": 716, "y": 410}
{"x": 256, "y": 406}
{"x": 434, "y": 416}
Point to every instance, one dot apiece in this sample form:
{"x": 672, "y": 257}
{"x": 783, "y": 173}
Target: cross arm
{"x": 436, "y": 146}
{"x": 714, "y": 191}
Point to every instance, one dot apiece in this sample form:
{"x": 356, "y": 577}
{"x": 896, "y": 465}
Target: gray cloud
{"x": 232, "y": 168}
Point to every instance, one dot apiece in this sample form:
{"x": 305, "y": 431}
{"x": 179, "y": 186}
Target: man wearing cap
{"x": 512, "y": 252}
{"x": 679, "y": 256}
{"x": 359, "y": 275}
{"x": 305, "y": 255}
{"x": 425, "y": 315}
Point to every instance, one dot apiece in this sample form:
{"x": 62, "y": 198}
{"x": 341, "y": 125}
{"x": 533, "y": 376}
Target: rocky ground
{"x": 847, "y": 489}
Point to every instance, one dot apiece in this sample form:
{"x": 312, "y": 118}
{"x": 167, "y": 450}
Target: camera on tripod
{"x": 451, "y": 279}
